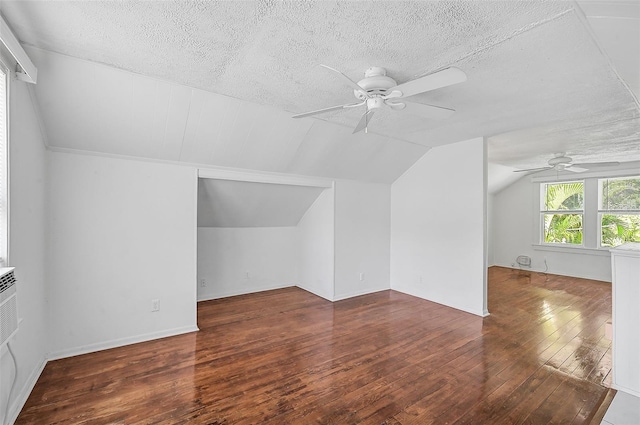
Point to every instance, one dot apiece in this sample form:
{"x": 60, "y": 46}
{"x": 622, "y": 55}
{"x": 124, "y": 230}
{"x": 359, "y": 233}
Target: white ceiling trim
{"x": 253, "y": 177}
{"x": 207, "y": 171}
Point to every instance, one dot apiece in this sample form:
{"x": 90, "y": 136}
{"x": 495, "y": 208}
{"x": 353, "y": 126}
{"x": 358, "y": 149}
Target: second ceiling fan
{"x": 561, "y": 162}
{"x": 377, "y": 90}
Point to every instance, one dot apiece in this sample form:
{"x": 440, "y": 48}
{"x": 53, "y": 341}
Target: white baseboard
{"x": 208, "y": 297}
{"x": 218, "y": 295}
{"x": 24, "y": 393}
{"x": 538, "y": 270}
{"x": 84, "y": 349}
{"x": 627, "y": 390}
{"x": 358, "y": 293}
{"x": 316, "y": 293}
{"x": 408, "y": 291}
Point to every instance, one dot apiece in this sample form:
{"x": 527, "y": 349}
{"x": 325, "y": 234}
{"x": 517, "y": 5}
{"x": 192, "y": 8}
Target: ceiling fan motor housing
{"x": 559, "y": 160}
{"x": 375, "y": 82}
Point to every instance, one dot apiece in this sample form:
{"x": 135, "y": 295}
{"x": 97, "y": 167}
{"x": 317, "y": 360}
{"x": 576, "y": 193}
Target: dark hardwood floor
{"x": 289, "y": 357}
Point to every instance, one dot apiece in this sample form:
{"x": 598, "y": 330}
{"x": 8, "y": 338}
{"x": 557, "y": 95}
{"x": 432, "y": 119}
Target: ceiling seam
{"x": 186, "y": 124}
{"x": 585, "y": 23}
{"x": 166, "y": 123}
{"x": 302, "y": 140}
{"x": 36, "y": 110}
{"x": 514, "y": 34}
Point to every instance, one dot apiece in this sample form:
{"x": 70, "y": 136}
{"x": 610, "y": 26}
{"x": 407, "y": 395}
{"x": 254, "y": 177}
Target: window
{"x": 4, "y": 211}
{"x": 594, "y": 213}
{"x": 619, "y": 210}
{"x": 562, "y": 212}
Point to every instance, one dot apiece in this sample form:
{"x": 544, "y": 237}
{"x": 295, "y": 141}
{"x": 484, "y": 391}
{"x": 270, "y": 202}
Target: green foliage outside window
{"x": 564, "y": 196}
{"x": 620, "y": 195}
{"x": 563, "y": 227}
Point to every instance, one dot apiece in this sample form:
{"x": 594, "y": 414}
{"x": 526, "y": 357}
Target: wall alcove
{"x": 256, "y": 236}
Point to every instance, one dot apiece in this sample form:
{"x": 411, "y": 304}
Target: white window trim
{"x": 4, "y": 223}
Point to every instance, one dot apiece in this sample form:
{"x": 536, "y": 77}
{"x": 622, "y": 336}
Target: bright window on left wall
{"x": 4, "y": 168}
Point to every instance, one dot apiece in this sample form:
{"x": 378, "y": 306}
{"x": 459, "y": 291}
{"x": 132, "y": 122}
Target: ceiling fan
{"x": 560, "y": 162}
{"x": 378, "y": 90}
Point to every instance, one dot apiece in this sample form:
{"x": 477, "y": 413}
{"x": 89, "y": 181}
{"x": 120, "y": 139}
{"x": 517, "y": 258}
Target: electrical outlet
{"x": 203, "y": 283}
{"x": 155, "y": 305}
{"x": 361, "y": 276}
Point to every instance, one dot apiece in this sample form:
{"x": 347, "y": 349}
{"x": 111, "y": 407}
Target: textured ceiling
{"x": 268, "y": 51}
{"x": 539, "y": 79}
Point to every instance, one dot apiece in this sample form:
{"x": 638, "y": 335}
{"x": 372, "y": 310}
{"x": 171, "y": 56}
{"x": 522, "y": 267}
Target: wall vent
{"x": 8, "y": 305}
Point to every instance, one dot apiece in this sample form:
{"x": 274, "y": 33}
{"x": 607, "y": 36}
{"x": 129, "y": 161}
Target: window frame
{"x": 543, "y": 212}
{"x": 602, "y": 211}
{"x": 591, "y": 243}
{"x": 4, "y": 168}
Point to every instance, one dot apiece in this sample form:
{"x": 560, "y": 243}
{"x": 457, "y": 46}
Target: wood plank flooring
{"x": 289, "y": 357}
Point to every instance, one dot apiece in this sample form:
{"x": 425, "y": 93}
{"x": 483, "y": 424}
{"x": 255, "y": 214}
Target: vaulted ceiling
{"x": 217, "y": 82}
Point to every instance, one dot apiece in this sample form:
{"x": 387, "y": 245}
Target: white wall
{"x": 122, "y": 233}
{"x": 226, "y": 255}
{"x": 513, "y": 234}
{"x": 316, "y": 249}
{"x": 490, "y": 227}
{"x": 438, "y": 227}
{"x": 625, "y": 265}
{"x": 26, "y": 250}
{"x": 362, "y": 238}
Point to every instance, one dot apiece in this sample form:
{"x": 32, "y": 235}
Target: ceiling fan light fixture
{"x": 375, "y": 103}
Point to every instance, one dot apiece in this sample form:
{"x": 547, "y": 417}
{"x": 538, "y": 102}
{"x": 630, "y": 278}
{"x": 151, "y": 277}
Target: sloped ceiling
{"x": 228, "y": 203}
{"x": 89, "y": 106}
{"x": 216, "y": 82}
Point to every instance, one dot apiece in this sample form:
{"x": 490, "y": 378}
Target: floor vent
{"x": 523, "y": 261}
{"x": 8, "y": 305}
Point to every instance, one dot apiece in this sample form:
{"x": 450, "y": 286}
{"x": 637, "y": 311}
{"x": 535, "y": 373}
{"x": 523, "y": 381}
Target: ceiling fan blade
{"x": 364, "y": 121}
{"x": 332, "y": 108}
{"x": 444, "y": 78}
{"x": 533, "y": 169}
{"x": 575, "y": 169}
{"x": 597, "y": 164}
{"x": 426, "y": 111}
{"x": 352, "y": 83}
